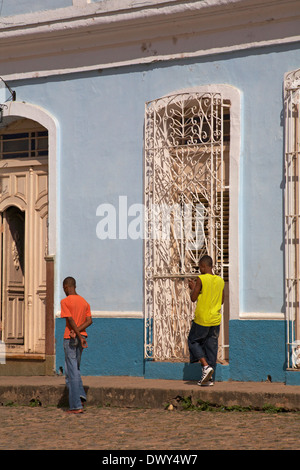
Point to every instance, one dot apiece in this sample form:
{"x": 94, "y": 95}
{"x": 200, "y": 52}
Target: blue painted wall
{"x": 101, "y": 118}
{"x": 257, "y": 350}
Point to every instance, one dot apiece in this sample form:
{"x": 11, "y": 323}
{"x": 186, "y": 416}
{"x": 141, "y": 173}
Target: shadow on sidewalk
{"x": 64, "y": 399}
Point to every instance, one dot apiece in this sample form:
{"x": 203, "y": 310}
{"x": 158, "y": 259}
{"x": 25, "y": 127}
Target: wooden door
{"x": 24, "y": 236}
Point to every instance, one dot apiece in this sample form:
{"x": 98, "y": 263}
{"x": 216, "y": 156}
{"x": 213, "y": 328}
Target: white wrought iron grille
{"x": 292, "y": 216}
{"x": 187, "y": 211}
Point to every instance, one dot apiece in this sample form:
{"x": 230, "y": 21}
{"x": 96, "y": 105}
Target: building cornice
{"x": 97, "y": 37}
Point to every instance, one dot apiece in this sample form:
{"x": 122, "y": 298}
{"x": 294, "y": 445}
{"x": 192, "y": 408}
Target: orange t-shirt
{"x": 76, "y": 307}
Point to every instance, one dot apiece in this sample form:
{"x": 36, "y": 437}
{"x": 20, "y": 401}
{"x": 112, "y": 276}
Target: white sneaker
{"x": 207, "y": 372}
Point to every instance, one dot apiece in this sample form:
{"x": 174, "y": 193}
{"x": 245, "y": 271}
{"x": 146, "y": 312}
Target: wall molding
{"x": 262, "y": 316}
{"x": 102, "y": 35}
{"x": 112, "y": 314}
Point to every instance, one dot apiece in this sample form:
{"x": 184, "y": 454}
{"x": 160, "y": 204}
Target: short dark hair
{"x": 206, "y": 259}
{"x": 69, "y": 281}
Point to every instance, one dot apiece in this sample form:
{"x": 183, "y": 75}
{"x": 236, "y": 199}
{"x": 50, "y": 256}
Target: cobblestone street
{"x": 50, "y": 428}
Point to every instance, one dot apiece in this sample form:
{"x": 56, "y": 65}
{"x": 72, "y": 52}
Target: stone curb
{"x": 154, "y": 396}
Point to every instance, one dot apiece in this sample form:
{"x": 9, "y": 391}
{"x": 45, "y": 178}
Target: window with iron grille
{"x": 187, "y": 142}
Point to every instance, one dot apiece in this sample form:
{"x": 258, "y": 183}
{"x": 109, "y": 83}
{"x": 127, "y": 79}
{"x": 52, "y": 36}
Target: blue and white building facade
{"x": 172, "y": 131}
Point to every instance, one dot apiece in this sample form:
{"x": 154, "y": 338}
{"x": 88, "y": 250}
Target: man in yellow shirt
{"x": 208, "y": 290}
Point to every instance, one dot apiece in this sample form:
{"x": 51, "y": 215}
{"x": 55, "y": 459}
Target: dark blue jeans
{"x": 203, "y": 342}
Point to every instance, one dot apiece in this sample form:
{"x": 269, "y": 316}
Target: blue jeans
{"x": 73, "y": 351}
{"x": 203, "y": 342}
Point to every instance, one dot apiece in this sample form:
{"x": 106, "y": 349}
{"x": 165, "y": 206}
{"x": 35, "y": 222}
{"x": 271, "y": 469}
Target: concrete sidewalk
{"x": 147, "y": 393}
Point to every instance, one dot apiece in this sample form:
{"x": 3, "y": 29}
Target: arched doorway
{"x": 24, "y": 244}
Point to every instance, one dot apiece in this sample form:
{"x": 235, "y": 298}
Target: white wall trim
{"x": 104, "y": 34}
{"x": 112, "y": 314}
{"x": 261, "y": 316}
{"x": 147, "y": 60}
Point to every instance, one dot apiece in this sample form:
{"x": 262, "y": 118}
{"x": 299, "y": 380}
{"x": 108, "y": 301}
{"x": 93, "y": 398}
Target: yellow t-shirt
{"x": 209, "y": 302}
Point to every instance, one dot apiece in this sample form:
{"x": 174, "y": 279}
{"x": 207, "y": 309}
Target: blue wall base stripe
{"x": 292, "y": 377}
{"x": 115, "y": 347}
{"x": 257, "y": 353}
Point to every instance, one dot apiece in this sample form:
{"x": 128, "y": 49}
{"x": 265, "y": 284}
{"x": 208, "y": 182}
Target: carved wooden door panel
{"x": 13, "y": 275}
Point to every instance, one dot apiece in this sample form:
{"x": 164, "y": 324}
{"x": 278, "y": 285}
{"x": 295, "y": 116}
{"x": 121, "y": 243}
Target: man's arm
{"x": 195, "y": 289}
{"x": 75, "y": 328}
{"x": 86, "y": 324}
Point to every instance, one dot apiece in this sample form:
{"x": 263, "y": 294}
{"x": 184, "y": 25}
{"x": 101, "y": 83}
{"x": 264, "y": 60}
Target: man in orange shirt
{"x": 77, "y": 313}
